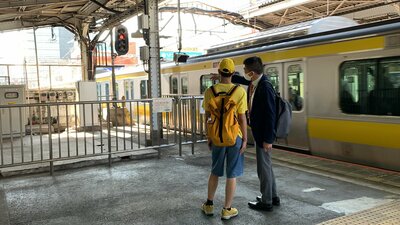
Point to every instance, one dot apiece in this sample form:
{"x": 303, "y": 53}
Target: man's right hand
{"x": 215, "y": 76}
{"x": 244, "y": 146}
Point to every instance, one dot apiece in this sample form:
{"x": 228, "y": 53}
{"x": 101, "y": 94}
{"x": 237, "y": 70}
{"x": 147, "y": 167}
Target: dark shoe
{"x": 261, "y": 206}
{"x": 276, "y": 201}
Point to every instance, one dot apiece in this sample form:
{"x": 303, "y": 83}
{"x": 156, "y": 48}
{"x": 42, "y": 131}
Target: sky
{"x": 198, "y": 32}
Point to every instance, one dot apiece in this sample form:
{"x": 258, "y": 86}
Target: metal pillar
{"x": 154, "y": 69}
{"x": 37, "y": 59}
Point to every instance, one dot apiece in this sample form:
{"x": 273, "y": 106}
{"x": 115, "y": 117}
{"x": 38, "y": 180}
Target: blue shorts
{"x": 234, "y": 160}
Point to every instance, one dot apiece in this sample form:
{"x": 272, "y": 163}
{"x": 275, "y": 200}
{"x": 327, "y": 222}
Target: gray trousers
{"x": 265, "y": 175}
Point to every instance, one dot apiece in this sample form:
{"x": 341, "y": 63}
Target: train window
{"x": 116, "y": 91}
{"x": 273, "y": 74}
{"x": 143, "y": 89}
{"x": 99, "y": 91}
{"x": 11, "y": 95}
{"x": 390, "y": 73}
{"x": 386, "y": 96}
{"x": 205, "y": 82}
{"x": 126, "y": 87}
{"x": 370, "y": 87}
{"x": 296, "y": 87}
{"x": 173, "y": 81}
{"x": 107, "y": 87}
{"x": 132, "y": 91}
{"x": 184, "y": 82}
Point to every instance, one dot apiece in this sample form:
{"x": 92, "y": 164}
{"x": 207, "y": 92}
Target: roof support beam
{"x": 396, "y": 5}
{"x": 338, "y": 7}
{"x": 283, "y": 17}
{"x": 14, "y": 4}
{"x": 310, "y": 11}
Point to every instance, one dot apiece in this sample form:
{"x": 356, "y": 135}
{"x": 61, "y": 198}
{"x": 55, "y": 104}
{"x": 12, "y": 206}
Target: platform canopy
{"x": 89, "y": 15}
{"x": 86, "y": 16}
{"x": 278, "y": 13}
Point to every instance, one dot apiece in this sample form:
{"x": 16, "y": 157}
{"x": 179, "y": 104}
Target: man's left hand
{"x": 267, "y": 147}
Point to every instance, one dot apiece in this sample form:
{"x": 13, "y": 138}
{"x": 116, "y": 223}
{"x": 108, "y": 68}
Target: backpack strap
{"x": 232, "y": 90}
{"x": 214, "y": 92}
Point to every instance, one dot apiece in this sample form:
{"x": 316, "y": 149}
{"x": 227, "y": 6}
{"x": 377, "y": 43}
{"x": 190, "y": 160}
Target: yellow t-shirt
{"x": 239, "y": 96}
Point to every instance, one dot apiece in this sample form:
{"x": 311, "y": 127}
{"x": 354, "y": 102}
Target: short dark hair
{"x": 254, "y": 64}
{"x": 224, "y": 74}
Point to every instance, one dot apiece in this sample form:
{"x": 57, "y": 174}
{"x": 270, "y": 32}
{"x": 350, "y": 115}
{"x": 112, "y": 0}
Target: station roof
{"x": 278, "y": 13}
{"x": 97, "y": 15}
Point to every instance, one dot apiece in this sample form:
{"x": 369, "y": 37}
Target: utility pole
{"x": 154, "y": 69}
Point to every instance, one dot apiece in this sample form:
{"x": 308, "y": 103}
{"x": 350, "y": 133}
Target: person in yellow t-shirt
{"x": 234, "y": 154}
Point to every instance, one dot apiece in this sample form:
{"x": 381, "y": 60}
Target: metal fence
{"x": 50, "y": 132}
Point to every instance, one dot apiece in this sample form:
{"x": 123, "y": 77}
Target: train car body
{"x": 344, "y": 86}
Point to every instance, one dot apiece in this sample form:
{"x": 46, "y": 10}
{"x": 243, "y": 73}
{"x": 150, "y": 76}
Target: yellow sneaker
{"x": 208, "y": 209}
{"x": 227, "y": 214}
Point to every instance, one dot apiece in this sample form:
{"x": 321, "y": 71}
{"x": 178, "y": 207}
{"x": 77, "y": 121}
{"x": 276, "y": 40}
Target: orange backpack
{"x": 222, "y": 126}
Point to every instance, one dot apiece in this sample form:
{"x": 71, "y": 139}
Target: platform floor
{"x": 170, "y": 190}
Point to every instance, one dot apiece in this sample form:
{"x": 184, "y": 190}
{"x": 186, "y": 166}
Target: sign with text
{"x": 162, "y": 105}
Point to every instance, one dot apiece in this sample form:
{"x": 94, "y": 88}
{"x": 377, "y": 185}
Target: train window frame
{"x": 376, "y": 98}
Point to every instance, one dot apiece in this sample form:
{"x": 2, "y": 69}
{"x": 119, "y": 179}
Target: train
{"x": 346, "y": 82}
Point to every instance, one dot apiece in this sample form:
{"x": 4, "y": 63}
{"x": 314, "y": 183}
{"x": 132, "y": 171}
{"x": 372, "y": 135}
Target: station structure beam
{"x": 154, "y": 68}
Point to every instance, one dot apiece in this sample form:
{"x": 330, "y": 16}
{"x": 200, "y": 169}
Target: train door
{"x": 294, "y": 92}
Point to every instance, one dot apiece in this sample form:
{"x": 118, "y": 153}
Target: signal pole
{"x": 113, "y": 82}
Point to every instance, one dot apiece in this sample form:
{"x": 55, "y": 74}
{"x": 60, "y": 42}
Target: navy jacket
{"x": 262, "y": 117}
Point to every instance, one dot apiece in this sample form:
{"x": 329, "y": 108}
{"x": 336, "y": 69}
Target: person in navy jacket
{"x": 261, "y": 118}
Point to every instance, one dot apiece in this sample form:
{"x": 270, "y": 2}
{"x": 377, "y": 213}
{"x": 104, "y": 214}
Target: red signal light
{"x": 121, "y": 40}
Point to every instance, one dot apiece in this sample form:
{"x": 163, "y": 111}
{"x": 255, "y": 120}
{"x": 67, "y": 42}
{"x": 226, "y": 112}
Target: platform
{"x": 170, "y": 190}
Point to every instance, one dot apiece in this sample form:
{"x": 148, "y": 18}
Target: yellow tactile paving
{"x": 386, "y": 214}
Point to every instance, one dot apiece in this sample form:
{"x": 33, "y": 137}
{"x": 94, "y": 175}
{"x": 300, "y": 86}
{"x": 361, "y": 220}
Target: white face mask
{"x": 247, "y": 76}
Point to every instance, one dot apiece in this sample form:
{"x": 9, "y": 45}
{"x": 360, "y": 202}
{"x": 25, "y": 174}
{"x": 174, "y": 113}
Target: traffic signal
{"x": 121, "y": 40}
